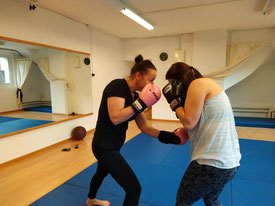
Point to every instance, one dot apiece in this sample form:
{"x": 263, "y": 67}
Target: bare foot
{"x": 94, "y": 202}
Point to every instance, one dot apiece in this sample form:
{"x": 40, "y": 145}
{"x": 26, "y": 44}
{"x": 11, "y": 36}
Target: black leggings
{"x": 203, "y": 181}
{"x": 111, "y": 162}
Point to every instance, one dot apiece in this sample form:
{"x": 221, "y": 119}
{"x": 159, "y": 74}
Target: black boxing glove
{"x": 179, "y": 136}
{"x": 168, "y": 137}
{"x": 175, "y": 94}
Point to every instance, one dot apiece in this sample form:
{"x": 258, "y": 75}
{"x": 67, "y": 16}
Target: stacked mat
{"x": 255, "y": 122}
{"x": 160, "y": 167}
{"x": 47, "y": 109}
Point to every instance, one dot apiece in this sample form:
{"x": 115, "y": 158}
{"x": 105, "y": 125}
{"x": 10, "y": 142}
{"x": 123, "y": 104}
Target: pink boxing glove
{"x": 148, "y": 96}
{"x": 182, "y": 134}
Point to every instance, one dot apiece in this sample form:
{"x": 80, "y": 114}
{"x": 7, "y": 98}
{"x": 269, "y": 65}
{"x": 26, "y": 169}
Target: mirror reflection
{"x": 40, "y": 85}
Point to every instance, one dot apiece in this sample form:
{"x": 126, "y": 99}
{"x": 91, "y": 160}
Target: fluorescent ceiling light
{"x": 137, "y": 19}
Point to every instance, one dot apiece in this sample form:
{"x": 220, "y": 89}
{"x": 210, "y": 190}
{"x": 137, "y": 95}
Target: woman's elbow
{"x": 115, "y": 123}
{"x": 188, "y": 126}
{"x": 115, "y": 120}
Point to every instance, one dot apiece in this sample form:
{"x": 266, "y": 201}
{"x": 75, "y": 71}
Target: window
{"x": 5, "y": 71}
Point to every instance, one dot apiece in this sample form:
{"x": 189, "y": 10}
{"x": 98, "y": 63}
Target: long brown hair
{"x": 141, "y": 66}
{"x": 183, "y": 72}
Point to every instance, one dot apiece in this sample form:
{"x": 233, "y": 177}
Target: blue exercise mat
{"x": 258, "y": 161}
{"x": 160, "y": 167}
{"x": 71, "y": 195}
{"x": 7, "y": 119}
{"x": 40, "y": 109}
{"x": 19, "y": 124}
{"x": 255, "y": 122}
{"x": 252, "y": 193}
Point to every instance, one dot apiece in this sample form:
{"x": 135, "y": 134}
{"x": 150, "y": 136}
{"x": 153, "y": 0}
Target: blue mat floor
{"x": 10, "y": 124}
{"x": 7, "y": 119}
{"x": 160, "y": 167}
{"x": 47, "y": 109}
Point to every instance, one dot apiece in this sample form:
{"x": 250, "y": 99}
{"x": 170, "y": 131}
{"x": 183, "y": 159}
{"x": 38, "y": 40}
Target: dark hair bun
{"x": 139, "y": 58}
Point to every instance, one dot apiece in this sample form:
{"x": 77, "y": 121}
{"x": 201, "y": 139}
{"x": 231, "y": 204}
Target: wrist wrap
{"x": 176, "y": 103}
{"x": 138, "y": 106}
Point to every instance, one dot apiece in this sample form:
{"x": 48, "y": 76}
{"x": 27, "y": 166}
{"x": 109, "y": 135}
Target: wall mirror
{"x": 41, "y": 85}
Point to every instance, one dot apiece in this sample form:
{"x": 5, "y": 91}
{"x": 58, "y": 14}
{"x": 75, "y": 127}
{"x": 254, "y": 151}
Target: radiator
{"x": 253, "y": 112}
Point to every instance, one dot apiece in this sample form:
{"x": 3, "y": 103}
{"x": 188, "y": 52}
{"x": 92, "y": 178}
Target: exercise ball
{"x": 79, "y": 133}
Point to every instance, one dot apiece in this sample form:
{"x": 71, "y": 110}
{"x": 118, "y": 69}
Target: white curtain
{"x": 43, "y": 64}
{"x": 243, "y": 59}
{"x": 22, "y": 70}
{"x": 237, "y": 54}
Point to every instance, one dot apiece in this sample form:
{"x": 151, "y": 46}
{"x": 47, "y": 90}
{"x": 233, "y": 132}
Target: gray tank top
{"x": 214, "y": 140}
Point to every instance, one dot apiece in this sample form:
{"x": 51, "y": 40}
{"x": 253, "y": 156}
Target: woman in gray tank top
{"x": 205, "y": 112}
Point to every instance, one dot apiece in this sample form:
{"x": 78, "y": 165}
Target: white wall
{"x": 57, "y": 64}
{"x": 151, "y": 49}
{"x": 74, "y": 92}
{"x": 42, "y": 26}
{"x": 209, "y": 50}
{"x": 79, "y": 89}
{"x": 106, "y": 62}
{"x": 8, "y": 100}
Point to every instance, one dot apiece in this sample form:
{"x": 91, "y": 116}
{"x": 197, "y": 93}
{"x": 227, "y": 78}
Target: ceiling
{"x": 169, "y": 17}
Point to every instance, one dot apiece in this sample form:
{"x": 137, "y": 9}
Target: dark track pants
{"x": 111, "y": 162}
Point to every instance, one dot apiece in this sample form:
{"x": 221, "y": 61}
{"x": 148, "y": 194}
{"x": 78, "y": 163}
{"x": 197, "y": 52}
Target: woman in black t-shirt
{"x": 120, "y": 104}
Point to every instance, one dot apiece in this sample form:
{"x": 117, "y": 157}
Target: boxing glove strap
{"x": 176, "y": 103}
{"x": 138, "y": 106}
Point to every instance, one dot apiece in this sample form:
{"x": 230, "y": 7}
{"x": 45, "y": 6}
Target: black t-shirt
{"x": 107, "y": 135}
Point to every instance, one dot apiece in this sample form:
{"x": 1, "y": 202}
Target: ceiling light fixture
{"x": 137, "y": 18}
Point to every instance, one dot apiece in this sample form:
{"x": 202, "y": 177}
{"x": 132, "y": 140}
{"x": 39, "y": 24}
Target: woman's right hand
{"x": 148, "y": 96}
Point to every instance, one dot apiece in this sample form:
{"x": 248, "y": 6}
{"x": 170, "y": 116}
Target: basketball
{"x": 79, "y": 133}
